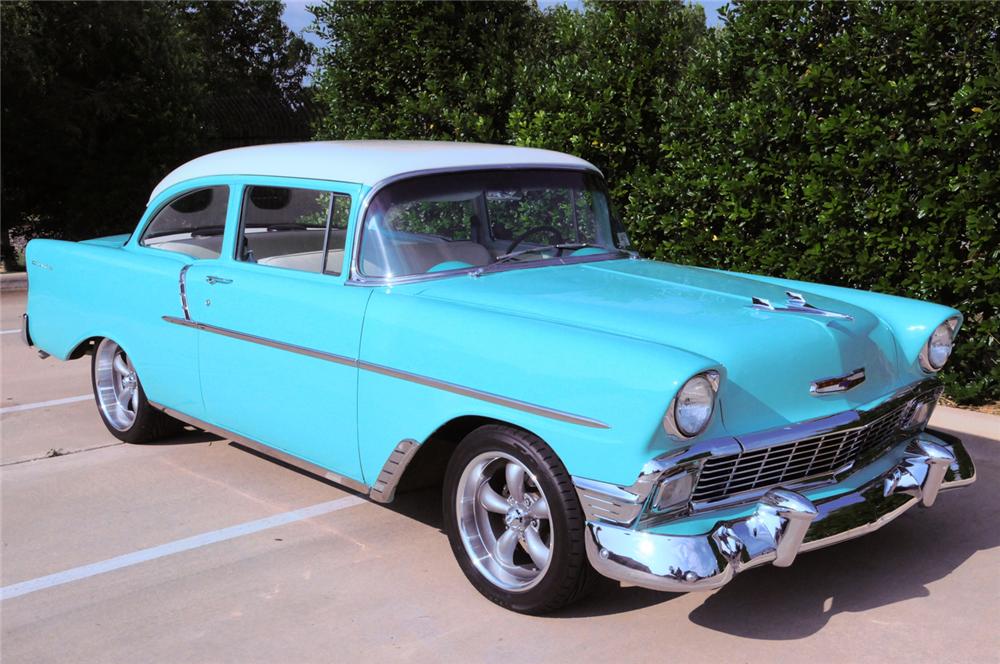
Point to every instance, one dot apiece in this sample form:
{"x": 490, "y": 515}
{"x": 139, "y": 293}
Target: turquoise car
{"x": 393, "y": 315}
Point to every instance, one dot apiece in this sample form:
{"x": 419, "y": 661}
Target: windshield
{"x": 477, "y": 219}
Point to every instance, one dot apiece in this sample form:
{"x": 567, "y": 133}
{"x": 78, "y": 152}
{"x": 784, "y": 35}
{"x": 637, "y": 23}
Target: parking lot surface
{"x": 197, "y": 550}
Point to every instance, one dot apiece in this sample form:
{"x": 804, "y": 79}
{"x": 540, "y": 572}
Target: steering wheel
{"x": 557, "y": 235}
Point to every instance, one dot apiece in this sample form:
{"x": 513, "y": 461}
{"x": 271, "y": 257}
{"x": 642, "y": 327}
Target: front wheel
{"x": 121, "y": 400}
{"x": 514, "y": 521}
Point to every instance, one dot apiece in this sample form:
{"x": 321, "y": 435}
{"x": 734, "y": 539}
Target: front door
{"x": 281, "y": 329}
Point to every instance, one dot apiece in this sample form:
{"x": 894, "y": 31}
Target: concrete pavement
{"x": 372, "y": 583}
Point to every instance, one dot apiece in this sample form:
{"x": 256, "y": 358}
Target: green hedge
{"x": 854, "y": 144}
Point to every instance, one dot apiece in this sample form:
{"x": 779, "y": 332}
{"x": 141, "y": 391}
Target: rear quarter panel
{"x": 82, "y": 290}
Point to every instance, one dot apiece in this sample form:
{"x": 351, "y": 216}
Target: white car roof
{"x": 362, "y": 162}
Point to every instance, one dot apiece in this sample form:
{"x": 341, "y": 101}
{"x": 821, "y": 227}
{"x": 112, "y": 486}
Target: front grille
{"x": 808, "y": 458}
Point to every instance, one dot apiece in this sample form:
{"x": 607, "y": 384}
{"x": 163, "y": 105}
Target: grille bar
{"x": 814, "y": 457}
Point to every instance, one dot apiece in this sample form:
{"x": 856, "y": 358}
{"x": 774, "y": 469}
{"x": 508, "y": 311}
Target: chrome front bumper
{"x": 781, "y": 524}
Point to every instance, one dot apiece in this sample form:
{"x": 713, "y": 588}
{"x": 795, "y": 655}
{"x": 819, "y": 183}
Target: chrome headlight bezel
{"x": 670, "y": 420}
{"x": 948, "y": 328}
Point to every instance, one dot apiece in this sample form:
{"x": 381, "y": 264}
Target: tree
{"x": 420, "y": 69}
{"x": 845, "y": 143}
{"x": 101, "y": 100}
{"x": 597, "y": 82}
{"x": 96, "y": 100}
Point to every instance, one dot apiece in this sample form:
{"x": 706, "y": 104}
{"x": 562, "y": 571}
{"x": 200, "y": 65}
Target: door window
{"x": 296, "y": 229}
{"x": 191, "y": 224}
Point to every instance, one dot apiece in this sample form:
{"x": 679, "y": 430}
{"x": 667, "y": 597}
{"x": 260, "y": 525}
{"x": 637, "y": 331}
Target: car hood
{"x": 770, "y": 358}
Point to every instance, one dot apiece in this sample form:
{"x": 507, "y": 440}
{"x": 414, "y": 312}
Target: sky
{"x": 297, "y": 17}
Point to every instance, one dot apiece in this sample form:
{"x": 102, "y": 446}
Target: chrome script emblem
{"x": 837, "y": 383}
{"x": 796, "y": 304}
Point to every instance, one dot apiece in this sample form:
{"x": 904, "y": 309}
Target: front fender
{"x": 621, "y": 385}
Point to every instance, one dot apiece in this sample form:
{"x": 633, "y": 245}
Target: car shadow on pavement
{"x": 187, "y": 436}
{"x": 894, "y": 564}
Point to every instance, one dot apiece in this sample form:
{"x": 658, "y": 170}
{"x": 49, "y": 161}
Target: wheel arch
{"x": 85, "y": 347}
{"x": 414, "y": 465}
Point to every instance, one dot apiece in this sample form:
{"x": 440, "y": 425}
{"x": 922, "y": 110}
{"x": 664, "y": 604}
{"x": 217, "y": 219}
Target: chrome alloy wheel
{"x": 117, "y": 385}
{"x": 504, "y": 521}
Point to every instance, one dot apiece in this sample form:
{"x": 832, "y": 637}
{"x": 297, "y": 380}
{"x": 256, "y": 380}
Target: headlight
{"x": 937, "y": 350}
{"x": 692, "y": 408}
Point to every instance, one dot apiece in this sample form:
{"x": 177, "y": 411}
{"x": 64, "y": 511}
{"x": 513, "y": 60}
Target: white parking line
{"x": 9, "y": 331}
{"x": 45, "y": 404}
{"x": 177, "y": 546}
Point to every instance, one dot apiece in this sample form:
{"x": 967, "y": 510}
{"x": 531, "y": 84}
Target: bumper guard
{"x": 782, "y": 524}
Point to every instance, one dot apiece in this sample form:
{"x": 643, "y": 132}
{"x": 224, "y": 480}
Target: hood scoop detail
{"x": 796, "y": 304}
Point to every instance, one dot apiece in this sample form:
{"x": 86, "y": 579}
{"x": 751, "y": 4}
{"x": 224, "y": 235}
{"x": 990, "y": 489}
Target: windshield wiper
{"x": 566, "y": 246}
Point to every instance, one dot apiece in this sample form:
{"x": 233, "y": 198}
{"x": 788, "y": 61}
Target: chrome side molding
{"x": 265, "y": 449}
{"x": 434, "y": 383}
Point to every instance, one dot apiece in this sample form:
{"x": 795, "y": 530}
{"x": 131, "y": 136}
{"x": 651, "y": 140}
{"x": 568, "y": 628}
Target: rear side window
{"x": 293, "y": 228}
{"x": 192, "y": 224}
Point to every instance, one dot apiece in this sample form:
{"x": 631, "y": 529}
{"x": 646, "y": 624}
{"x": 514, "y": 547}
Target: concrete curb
{"x": 967, "y": 421}
{"x": 13, "y": 281}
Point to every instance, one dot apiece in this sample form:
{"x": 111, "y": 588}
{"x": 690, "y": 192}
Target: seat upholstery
{"x": 419, "y": 257}
{"x": 307, "y": 261}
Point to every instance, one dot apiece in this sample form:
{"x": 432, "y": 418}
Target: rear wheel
{"x": 121, "y": 400}
{"x": 514, "y": 521}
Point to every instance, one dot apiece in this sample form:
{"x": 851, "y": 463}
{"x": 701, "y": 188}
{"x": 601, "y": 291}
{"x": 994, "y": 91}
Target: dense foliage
{"x": 848, "y": 143}
{"x": 101, "y": 99}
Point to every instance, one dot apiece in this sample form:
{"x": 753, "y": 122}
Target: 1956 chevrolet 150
{"x": 405, "y": 312}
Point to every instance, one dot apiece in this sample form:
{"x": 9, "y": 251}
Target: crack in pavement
{"x": 54, "y": 453}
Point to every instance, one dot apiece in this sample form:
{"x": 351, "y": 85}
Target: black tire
{"x": 568, "y": 576}
{"x": 149, "y": 425}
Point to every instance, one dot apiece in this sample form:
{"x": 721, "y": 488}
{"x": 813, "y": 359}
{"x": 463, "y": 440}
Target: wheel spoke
{"x": 535, "y": 547}
{"x": 120, "y": 366}
{"x": 135, "y": 400}
{"x": 515, "y": 481}
{"x": 506, "y": 544}
{"x": 125, "y": 395}
{"x": 539, "y": 509}
{"x": 492, "y": 500}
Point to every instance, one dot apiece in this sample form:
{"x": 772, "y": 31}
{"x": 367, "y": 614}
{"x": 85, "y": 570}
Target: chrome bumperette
{"x": 783, "y": 523}
{"x": 434, "y": 383}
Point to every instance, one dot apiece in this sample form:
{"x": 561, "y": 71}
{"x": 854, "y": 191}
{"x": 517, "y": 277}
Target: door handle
{"x": 217, "y": 280}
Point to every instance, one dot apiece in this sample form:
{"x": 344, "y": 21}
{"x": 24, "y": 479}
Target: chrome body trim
{"x": 783, "y": 523}
{"x": 25, "y": 333}
{"x": 795, "y": 304}
{"x": 434, "y": 383}
{"x": 183, "y": 288}
{"x": 923, "y": 359}
{"x": 631, "y": 501}
{"x": 265, "y": 449}
{"x": 384, "y": 489}
{"x": 837, "y": 384}
{"x": 670, "y": 417}
{"x": 354, "y": 276}
{"x": 242, "y": 336}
